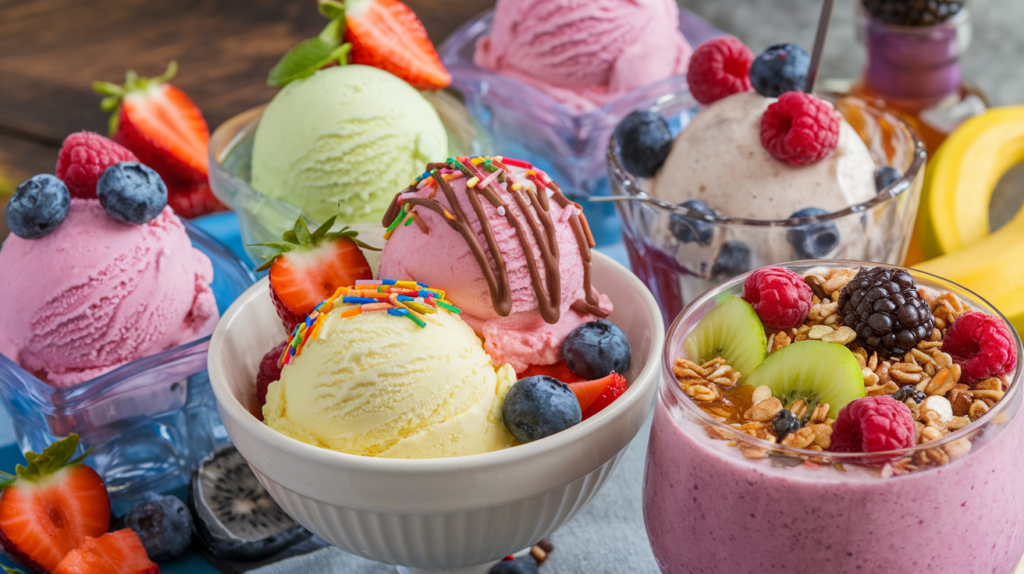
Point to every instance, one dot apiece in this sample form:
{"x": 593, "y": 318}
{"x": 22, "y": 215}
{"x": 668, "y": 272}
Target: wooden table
{"x": 51, "y": 51}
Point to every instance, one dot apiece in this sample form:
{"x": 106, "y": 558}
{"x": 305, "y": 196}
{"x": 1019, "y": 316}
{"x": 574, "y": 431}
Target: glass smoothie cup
{"x": 710, "y": 508}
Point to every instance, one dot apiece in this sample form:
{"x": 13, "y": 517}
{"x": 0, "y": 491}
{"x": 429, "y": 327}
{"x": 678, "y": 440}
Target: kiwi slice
{"x": 732, "y": 331}
{"x": 814, "y": 371}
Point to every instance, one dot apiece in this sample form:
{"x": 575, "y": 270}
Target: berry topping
{"x": 132, "y": 192}
{"x": 909, "y": 392}
{"x": 780, "y": 297}
{"x": 784, "y": 423}
{"x": 982, "y": 346}
{"x": 556, "y": 371}
{"x": 814, "y": 240}
{"x": 886, "y": 176}
{"x": 162, "y": 523}
{"x": 800, "y": 129}
{"x": 38, "y": 206}
{"x": 733, "y": 259}
{"x": 537, "y": 407}
{"x": 690, "y": 230}
{"x": 873, "y": 424}
{"x": 83, "y": 158}
{"x": 386, "y": 34}
{"x": 779, "y": 69}
{"x": 595, "y": 395}
{"x": 309, "y": 267}
{"x": 52, "y": 506}
{"x": 719, "y": 67}
{"x": 596, "y": 349}
{"x": 883, "y": 307}
{"x": 913, "y": 12}
{"x": 644, "y": 140}
{"x": 118, "y": 552}
{"x": 270, "y": 371}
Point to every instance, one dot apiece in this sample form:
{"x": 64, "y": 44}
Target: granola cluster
{"x": 925, "y": 379}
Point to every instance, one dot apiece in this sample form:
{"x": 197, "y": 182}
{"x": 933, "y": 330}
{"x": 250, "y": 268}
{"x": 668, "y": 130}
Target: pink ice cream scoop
{"x": 96, "y": 293}
{"x": 585, "y": 53}
{"x": 491, "y": 240}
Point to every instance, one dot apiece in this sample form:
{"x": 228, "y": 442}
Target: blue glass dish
{"x": 148, "y": 422}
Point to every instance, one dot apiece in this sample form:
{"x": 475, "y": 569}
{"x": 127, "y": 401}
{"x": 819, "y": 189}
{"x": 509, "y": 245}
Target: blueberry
{"x": 163, "y": 523}
{"x": 779, "y": 69}
{"x": 784, "y": 423}
{"x": 687, "y": 229}
{"x": 38, "y": 206}
{"x": 644, "y": 140}
{"x": 814, "y": 239}
{"x": 517, "y": 566}
{"x": 886, "y": 176}
{"x": 132, "y": 192}
{"x": 595, "y": 349}
{"x": 539, "y": 406}
{"x": 733, "y": 259}
{"x": 909, "y": 392}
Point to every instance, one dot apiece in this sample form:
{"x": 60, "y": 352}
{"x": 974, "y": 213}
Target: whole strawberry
{"x": 82, "y": 159}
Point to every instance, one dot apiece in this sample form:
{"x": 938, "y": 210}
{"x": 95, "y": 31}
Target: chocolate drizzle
{"x": 541, "y": 227}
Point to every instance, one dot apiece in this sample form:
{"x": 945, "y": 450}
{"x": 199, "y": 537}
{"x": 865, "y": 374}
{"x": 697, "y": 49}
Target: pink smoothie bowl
{"x": 446, "y": 513}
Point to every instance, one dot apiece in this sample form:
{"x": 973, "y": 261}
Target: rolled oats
{"x": 816, "y": 332}
{"x": 764, "y": 410}
{"x": 941, "y": 383}
{"x": 906, "y": 373}
{"x": 977, "y": 410}
{"x": 760, "y": 394}
{"x": 958, "y": 448}
{"x": 842, "y": 336}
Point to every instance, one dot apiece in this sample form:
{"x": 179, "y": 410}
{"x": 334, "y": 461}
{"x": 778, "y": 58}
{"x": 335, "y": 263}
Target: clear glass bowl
{"x": 263, "y": 219}
{"x": 708, "y": 508}
{"x": 677, "y": 272}
{"x": 148, "y": 422}
{"x": 528, "y": 124}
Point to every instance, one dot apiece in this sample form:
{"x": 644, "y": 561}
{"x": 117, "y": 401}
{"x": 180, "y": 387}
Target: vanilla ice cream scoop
{"x": 376, "y": 384}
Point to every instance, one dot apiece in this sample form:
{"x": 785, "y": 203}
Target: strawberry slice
{"x": 386, "y": 34}
{"x": 597, "y": 394}
{"x": 119, "y": 552}
{"x": 50, "y": 507}
{"x": 558, "y": 371}
{"x": 164, "y": 128}
{"x": 310, "y": 267}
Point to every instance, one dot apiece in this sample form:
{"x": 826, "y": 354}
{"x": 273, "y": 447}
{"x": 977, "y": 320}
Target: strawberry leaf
{"x": 53, "y": 458}
{"x": 310, "y": 55}
{"x": 331, "y": 8}
{"x": 302, "y": 232}
{"x": 325, "y": 228}
{"x": 132, "y": 83}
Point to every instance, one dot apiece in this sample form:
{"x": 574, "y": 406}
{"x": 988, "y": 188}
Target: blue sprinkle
{"x": 359, "y": 300}
{"x": 406, "y": 298}
{"x": 309, "y": 322}
{"x": 387, "y": 281}
{"x": 397, "y": 312}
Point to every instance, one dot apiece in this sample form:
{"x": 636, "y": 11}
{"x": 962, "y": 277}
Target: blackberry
{"x": 784, "y": 423}
{"x": 913, "y": 12}
{"x": 882, "y": 305}
{"x": 909, "y": 392}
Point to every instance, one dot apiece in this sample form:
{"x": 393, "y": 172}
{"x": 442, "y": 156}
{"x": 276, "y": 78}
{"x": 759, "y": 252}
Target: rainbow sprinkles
{"x": 408, "y": 299}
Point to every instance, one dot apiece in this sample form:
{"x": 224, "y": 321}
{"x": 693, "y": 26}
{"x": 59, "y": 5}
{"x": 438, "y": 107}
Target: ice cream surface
{"x": 585, "y": 53}
{"x": 718, "y": 158}
{"x": 492, "y": 248}
{"x": 97, "y": 293}
{"x": 376, "y": 384}
{"x": 340, "y": 141}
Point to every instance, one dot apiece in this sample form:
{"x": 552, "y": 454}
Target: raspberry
{"x": 982, "y": 346}
{"x": 269, "y": 372}
{"x": 779, "y": 296}
{"x": 83, "y": 159}
{"x": 873, "y": 424}
{"x": 719, "y": 67}
{"x": 799, "y": 129}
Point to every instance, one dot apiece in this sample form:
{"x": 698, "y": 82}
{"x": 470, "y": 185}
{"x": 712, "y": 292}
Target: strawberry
{"x": 386, "y": 34}
{"x": 119, "y": 552}
{"x": 165, "y": 129}
{"x": 558, "y": 371}
{"x": 269, "y": 372}
{"x": 49, "y": 508}
{"x": 310, "y": 267}
{"x": 597, "y": 394}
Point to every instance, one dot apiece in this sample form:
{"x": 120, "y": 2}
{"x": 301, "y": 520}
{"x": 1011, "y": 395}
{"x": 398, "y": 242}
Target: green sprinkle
{"x": 451, "y": 308}
{"x": 416, "y": 319}
{"x": 408, "y": 221}
{"x": 394, "y": 224}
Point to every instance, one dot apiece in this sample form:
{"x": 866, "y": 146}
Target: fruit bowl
{"x": 436, "y": 513}
{"x": 678, "y": 271}
{"x": 149, "y": 422}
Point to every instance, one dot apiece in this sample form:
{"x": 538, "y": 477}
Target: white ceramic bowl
{"x": 436, "y": 513}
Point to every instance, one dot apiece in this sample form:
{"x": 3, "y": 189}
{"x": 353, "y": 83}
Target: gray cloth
{"x": 607, "y": 537}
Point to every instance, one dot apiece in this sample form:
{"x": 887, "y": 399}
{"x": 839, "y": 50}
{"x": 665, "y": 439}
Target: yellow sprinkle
{"x": 407, "y": 284}
{"x": 517, "y": 186}
{"x": 478, "y": 160}
{"x": 418, "y": 307}
{"x": 473, "y": 181}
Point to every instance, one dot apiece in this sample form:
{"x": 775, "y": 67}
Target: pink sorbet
{"x": 96, "y": 293}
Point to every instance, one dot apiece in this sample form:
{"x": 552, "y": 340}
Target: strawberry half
{"x": 386, "y": 34}
{"x": 50, "y": 507}
{"x": 310, "y": 267}
{"x": 559, "y": 371}
{"x": 595, "y": 395}
{"x": 164, "y": 128}
{"x": 119, "y": 552}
